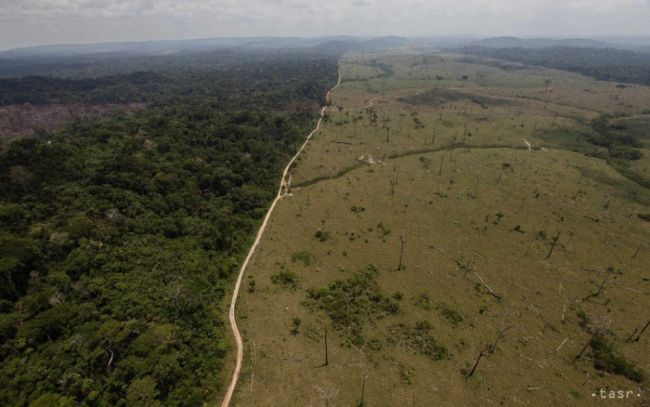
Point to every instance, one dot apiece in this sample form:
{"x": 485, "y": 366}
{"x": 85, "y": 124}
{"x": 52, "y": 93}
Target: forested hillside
{"x": 119, "y": 236}
{"x": 221, "y": 75}
{"x": 607, "y": 64}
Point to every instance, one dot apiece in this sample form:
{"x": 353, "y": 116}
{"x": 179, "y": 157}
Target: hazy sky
{"x": 30, "y": 22}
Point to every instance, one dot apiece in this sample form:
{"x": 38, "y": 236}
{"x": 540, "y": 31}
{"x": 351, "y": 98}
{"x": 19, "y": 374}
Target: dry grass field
{"x": 523, "y": 244}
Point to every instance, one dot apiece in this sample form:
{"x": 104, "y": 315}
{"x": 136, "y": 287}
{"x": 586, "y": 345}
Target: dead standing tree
{"x": 555, "y": 239}
{"x": 478, "y": 360}
{"x": 327, "y": 359}
{"x": 364, "y": 376}
{"x": 401, "y": 252}
{"x": 589, "y": 342}
{"x": 610, "y": 271}
{"x": 636, "y": 335}
{"x": 488, "y": 350}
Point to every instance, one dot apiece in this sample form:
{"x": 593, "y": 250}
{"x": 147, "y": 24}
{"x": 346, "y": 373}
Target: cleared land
{"x": 524, "y": 231}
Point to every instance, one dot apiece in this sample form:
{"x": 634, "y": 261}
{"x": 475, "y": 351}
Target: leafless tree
{"x": 401, "y": 252}
{"x": 636, "y": 335}
{"x": 609, "y": 272}
{"x": 555, "y": 239}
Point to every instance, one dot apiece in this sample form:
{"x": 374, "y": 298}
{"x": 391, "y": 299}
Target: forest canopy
{"x": 607, "y": 64}
{"x": 120, "y": 235}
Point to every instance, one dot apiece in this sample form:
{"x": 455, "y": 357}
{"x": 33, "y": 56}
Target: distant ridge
{"x": 515, "y": 42}
{"x": 163, "y": 47}
{"x": 390, "y": 41}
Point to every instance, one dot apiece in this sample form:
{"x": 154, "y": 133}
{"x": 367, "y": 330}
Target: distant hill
{"x": 607, "y": 64}
{"x": 385, "y": 42}
{"x": 335, "y": 46}
{"x": 165, "y": 47}
{"x": 515, "y": 42}
{"x": 135, "y": 47}
{"x": 327, "y": 45}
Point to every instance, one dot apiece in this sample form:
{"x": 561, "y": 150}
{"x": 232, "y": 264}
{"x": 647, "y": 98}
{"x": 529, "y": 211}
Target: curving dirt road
{"x": 282, "y": 192}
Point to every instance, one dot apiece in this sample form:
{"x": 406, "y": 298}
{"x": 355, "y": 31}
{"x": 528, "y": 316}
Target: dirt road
{"x": 282, "y": 192}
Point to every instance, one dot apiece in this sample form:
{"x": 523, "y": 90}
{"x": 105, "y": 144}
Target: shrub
{"x": 352, "y": 303}
{"x": 423, "y": 301}
{"x": 385, "y": 230}
{"x": 419, "y": 338}
{"x": 295, "y": 324}
{"x": 285, "y": 278}
{"x": 450, "y": 314}
{"x": 304, "y": 257}
{"x": 608, "y": 360}
{"x": 322, "y": 235}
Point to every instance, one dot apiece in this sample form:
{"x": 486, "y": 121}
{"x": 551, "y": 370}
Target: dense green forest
{"x": 137, "y": 79}
{"x": 119, "y": 236}
{"x": 605, "y": 64}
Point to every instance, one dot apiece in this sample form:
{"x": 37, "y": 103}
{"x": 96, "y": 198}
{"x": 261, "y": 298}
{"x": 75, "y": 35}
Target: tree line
{"x": 119, "y": 236}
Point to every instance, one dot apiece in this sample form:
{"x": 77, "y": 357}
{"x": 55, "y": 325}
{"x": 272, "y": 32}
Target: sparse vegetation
{"x": 450, "y": 314}
{"x": 322, "y": 235}
{"x": 304, "y": 256}
{"x": 285, "y": 278}
{"x": 506, "y": 231}
{"x": 419, "y": 338}
{"x": 350, "y": 304}
{"x": 607, "y": 359}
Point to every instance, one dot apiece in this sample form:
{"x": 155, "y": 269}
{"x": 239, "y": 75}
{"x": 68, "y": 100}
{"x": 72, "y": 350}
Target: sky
{"x": 37, "y": 22}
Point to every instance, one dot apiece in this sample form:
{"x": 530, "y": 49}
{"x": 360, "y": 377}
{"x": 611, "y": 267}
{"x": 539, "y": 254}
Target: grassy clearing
{"x": 502, "y": 245}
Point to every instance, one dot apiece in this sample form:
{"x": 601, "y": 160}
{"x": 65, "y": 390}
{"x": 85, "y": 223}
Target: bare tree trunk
{"x": 496, "y": 342}
{"x": 584, "y": 348}
{"x": 363, "y": 389}
{"x": 632, "y": 337}
{"x": 555, "y": 239}
{"x": 478, "y": 360}
{"x": 498, "y": 297}
{"x": 602, "y": 285}
{"x": 327, "y": 362}
{"x": 401, "y": 252}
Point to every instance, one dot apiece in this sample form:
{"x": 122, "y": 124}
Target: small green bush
{"x": 352, "y": 303}
{"x": 419, "y": 338}
{"x": 608, "y": 360}
{"x": 450, "y": 314}
{"x": 423, "y": 301}
{"x": 385, "y": 230}
{"x": 322, "y": 235}
{"x": 305, "y": 257}
{"x": 285, "y": 278}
